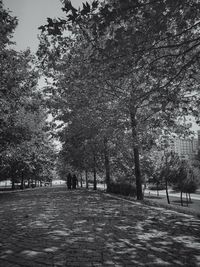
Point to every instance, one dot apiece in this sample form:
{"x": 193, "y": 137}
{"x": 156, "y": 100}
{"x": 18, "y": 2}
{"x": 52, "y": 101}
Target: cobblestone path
{"x": 56, "y": 227}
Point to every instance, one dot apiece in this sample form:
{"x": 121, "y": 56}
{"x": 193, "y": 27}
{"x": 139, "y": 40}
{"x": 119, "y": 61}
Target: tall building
{"x": 185, "y": 148}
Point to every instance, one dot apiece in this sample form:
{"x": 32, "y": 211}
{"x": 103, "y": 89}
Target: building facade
{"x": 184, "y": 148}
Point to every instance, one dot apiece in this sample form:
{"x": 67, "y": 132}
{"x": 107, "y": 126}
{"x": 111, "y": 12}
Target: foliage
{"x": 184, "y": 179}
{"x": 131, "y": 66}
{"x": 8, "y": 25}
{"x": 123, "y": 188}
{"x": 180, "y": 174}
{"x": 26, "y": 152}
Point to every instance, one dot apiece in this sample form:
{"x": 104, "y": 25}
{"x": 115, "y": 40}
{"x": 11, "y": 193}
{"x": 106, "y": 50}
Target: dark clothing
{"x": 74, "y": 181}
{"x": 69, "y": 181}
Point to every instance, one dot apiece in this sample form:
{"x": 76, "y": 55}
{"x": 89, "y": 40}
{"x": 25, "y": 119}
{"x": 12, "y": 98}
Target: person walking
{"x": 69, "y": 181}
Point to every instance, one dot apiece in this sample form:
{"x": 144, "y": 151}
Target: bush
{"x": 156, "y": 187}
{"x": 175, "y": 188}
{"x": 124, "y": 189}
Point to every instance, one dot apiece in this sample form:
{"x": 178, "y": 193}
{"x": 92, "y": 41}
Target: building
{"x": 184, "y": 148}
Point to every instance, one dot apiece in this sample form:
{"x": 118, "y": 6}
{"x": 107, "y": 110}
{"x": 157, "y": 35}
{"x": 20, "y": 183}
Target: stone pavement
{"x": 55, "y": 227}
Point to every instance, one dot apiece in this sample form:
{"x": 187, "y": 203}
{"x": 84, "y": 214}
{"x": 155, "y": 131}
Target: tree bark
{"x": 107, "y": 164}
{"x": 157, "y": 184}
{"x": 138, "y": 175}
{"x": 81, "y": 180}
{"x": 22, "y": 181}
{"x": 136, "y": 153}
{"x": 86, "y": 178}
{"x": 186, "y": 199}
{"x": 181, "y": 198}
{"x": 95, "y": 173}
{"x": 13, "y": 184}
{"x": 166, "y": 189}
{"x": 190, "y": 200}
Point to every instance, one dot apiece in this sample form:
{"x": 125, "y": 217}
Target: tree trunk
{"x": 166, "y": 188}
{"x": 157, "y": 184}
{"x": 6, "y": 184}
{"x": 190, "y": 200}
{"x": 138, "y": 175}
{"x": 86, "y": 178}
{"x": 13, "y": 184}
{"x": 144, "y": 188}
{"x": 186, "y": 199}
{"x": 181, "y": 198}
{"x": 81, "y": 180}
{"x": 95, "y": 174}
{"x": 107, "y": 164}
{"x": 157, "y": 193}
{"x": 136, "y": 155}
{"x": 22, "y": 181}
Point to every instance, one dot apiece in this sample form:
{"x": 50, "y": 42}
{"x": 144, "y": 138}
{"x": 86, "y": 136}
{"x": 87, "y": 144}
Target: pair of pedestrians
{"x": 71, "y": 181}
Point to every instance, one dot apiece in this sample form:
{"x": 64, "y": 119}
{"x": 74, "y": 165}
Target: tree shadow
{"x": 153, "y": 197}
{"x": 81, "y": 228}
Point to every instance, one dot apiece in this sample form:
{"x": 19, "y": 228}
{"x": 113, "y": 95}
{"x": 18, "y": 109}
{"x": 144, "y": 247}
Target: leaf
{"x": 42, "y": 28}
{"x": 71, "y": 18}
{"x": 95, "y": 4}
{"x": 50, "y": 22}
{"x": 86, "y": 9}
{"x": 67, "y": 6}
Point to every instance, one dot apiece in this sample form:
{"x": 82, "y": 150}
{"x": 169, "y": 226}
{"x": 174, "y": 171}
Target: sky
{"x": 32, "y": 14}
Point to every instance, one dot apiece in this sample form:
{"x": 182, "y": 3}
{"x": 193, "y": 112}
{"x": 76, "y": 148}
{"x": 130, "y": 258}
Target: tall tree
{"x": 143, "y": 54}
{"x": 24, "y": 138}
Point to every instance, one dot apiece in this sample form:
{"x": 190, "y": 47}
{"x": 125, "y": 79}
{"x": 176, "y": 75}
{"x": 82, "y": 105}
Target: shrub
{"x": 125, "y": 189}
{"x": 156, "y": 186}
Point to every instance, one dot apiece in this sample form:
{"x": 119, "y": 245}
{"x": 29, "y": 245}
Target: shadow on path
{"x": 56, "y": 227}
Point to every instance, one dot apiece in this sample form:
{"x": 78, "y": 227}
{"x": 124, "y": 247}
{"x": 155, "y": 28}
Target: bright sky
{"x": 32, "y": 14}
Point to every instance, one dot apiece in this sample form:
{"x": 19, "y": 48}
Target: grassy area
{"x": 175, "y": 204}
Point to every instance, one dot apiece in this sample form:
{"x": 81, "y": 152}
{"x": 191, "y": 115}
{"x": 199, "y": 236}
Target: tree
{"x": 144, "y": 62}
{"x": 184, "y": 180}
{"x": 8, "y": 24}
{"x": 25, "y": 149}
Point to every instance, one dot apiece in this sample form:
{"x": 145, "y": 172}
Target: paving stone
{"x": 58, "y": 228}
